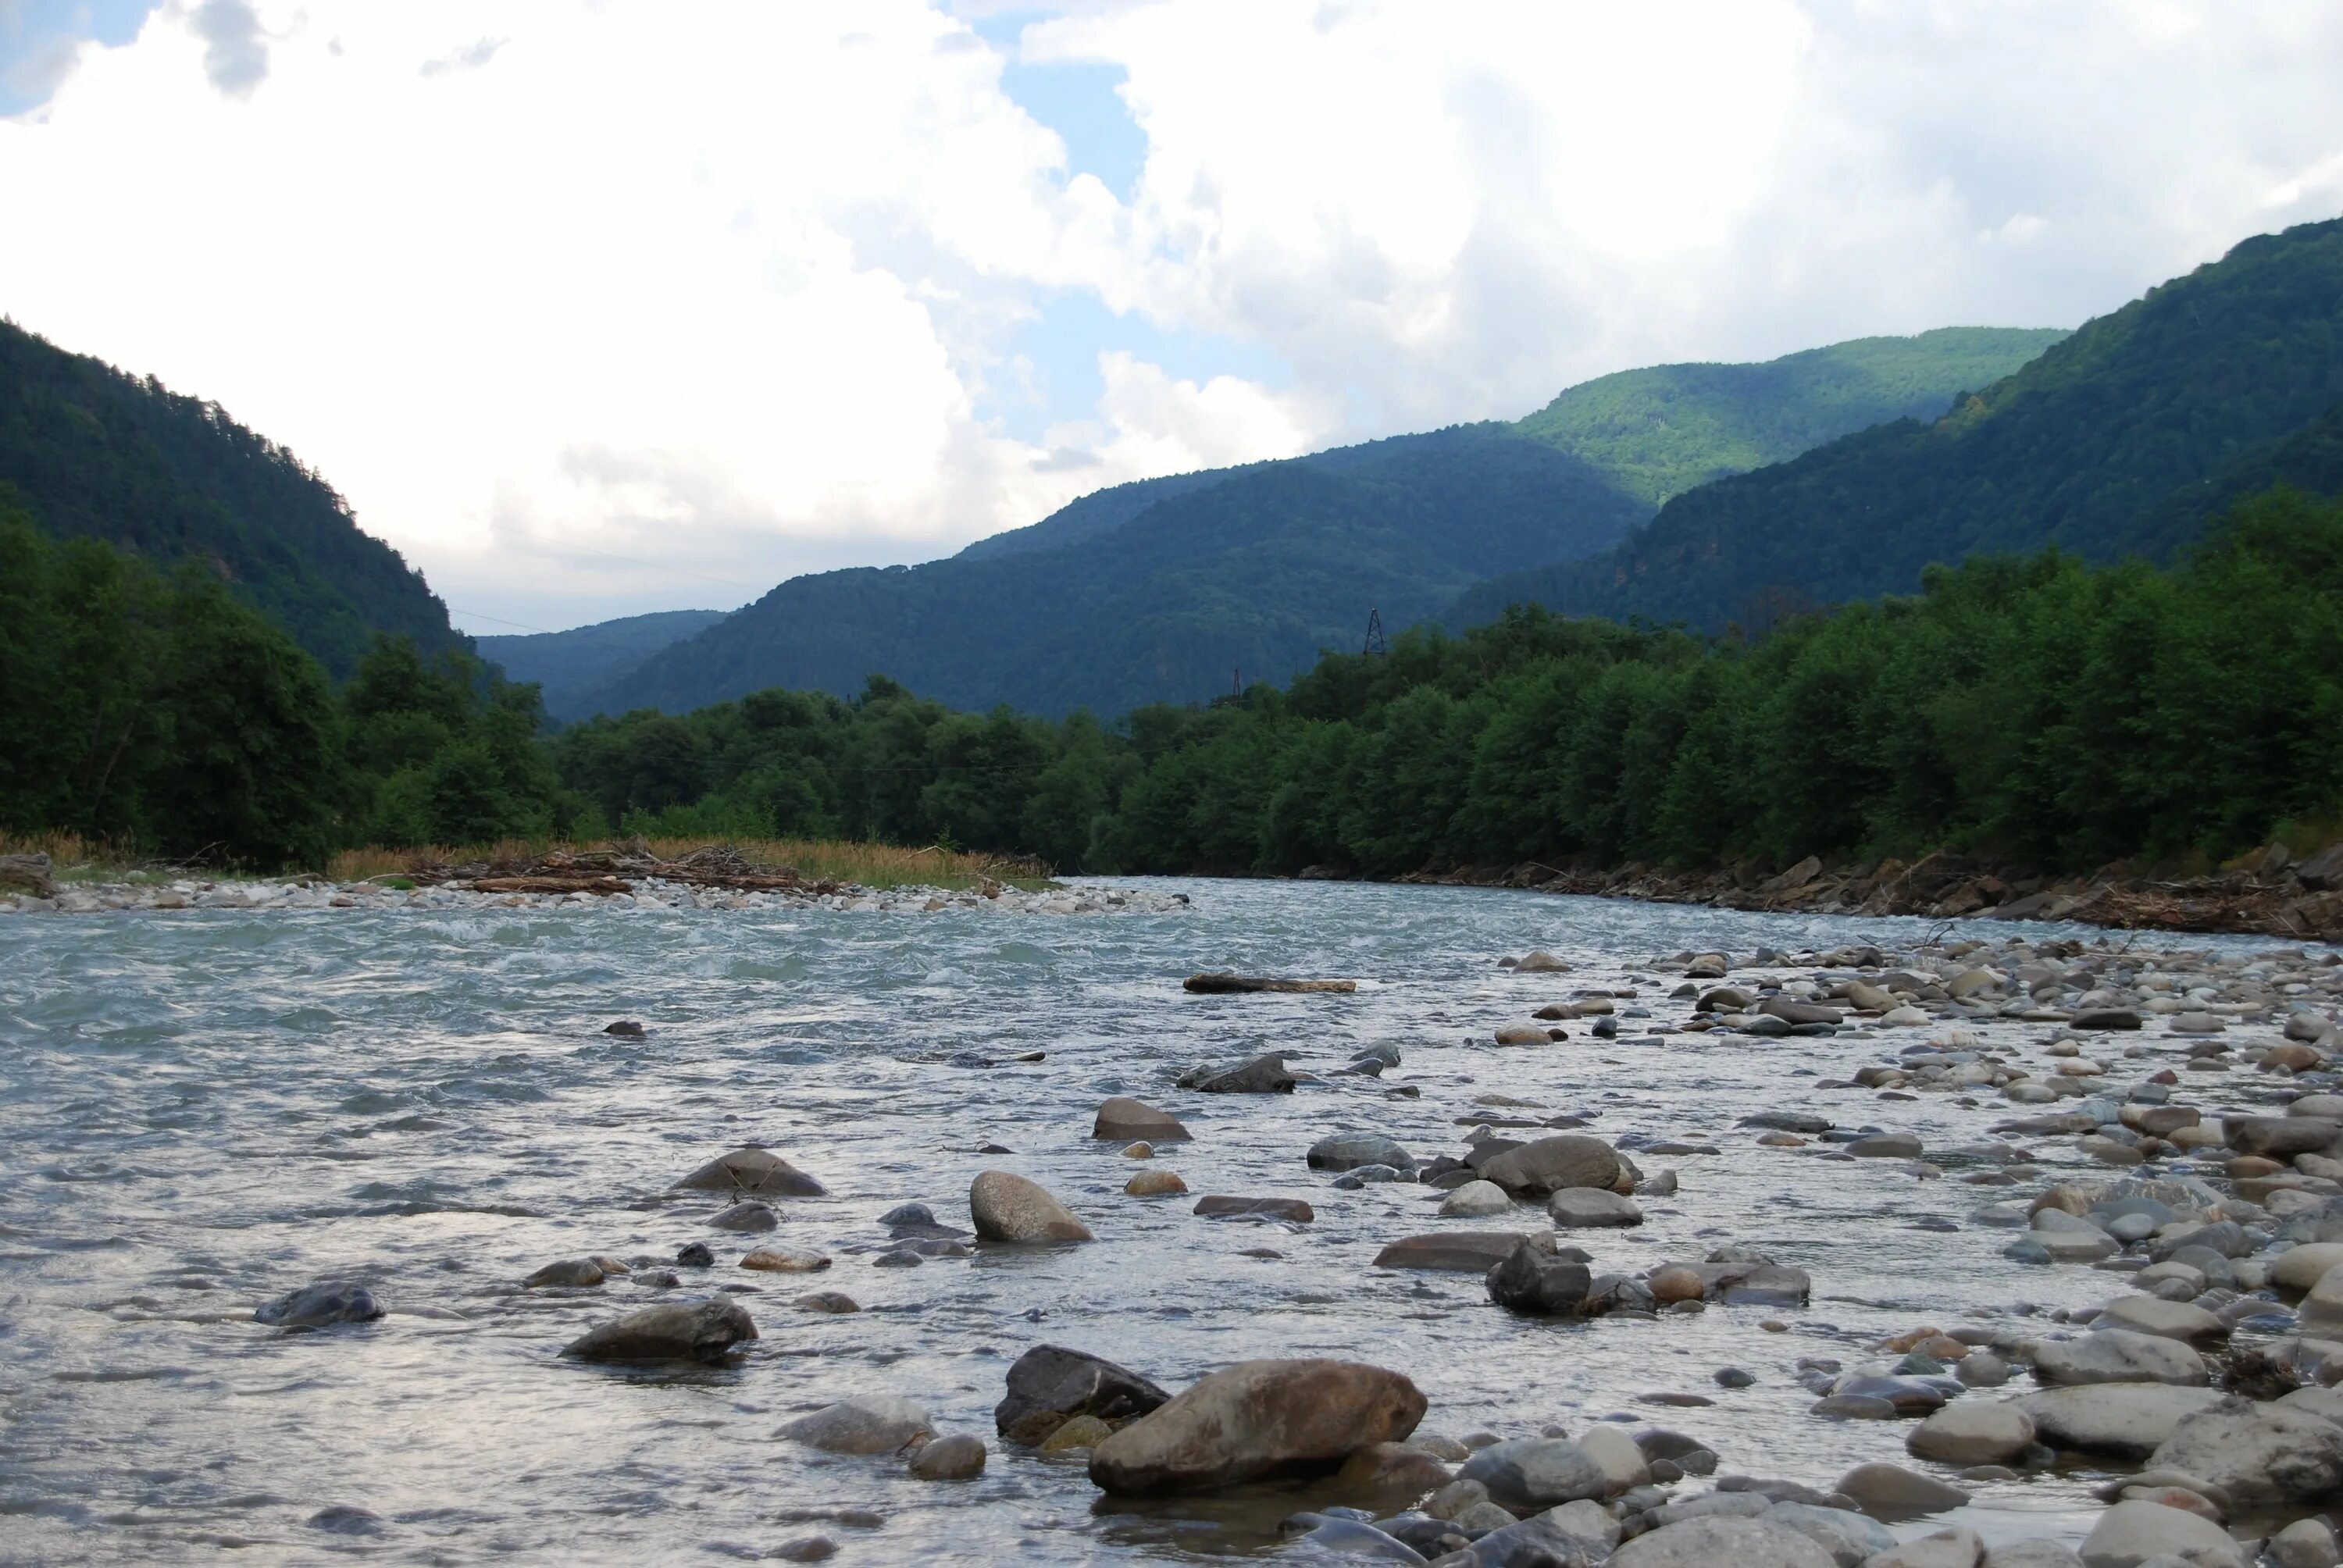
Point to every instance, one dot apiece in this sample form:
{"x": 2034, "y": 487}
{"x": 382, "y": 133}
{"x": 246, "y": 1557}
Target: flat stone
{"x": 1458, "y": 1252}
{"x": 2179, "y": 1321}
{"x": 784, "y": 1261}
{"x": 1588, "y": 1208}
{"x": 1227, "y": 1205}
{"x": 2119, "y": 1355}
{"x": 2120, "y": 1418}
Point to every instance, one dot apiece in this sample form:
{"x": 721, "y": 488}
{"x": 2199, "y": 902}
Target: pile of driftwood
{"x": 30, "y": 872}
{"x": 607, "y": 871}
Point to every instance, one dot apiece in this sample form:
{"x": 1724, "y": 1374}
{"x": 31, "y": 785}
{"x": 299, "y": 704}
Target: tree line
{"x": 2035, "y": 710}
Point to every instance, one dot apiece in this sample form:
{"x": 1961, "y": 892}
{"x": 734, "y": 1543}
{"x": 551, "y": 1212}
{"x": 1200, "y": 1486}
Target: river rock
{"x": 1890, "y": 1492}
{"x": 1954, "y": 1548}
{"x": 2301, "y": 1268}
{"x": 1588, "y": 1208}
{"x": 1389, "y": 1475}
{"x": 569, "y": 1272}
{"x": 672, "y": 1332}
{"x": 1540, "y": 963}
{"x": 1006, "y": 1207}
{"x": 2279, "y": 1137}
{"x": 1261, "y": 1075}
{"x": 319, "y": 1306}
{"x": 1474, "y": 1200}
{"x": 1548, "y": 1165}
{"x": 2119, "y": 1355}
{"x": 753, "y": 1173}
{"x": 1717, "y": 1543}
{"x": 1849, "y": 1537}
{"x": 1349, "y": 1151}
{"x": 1523, "y": 1034}
{"x": 1969, "y": 1432}
{"x": 1258, "y": 1419}
{"x": 2306, "y": 1543}
{"x": 1460, "y": 1251}
{"x": 2119, "y": 1418}
{"x": 1886, "y": 1146}
{"x": 784, "y": 1261}
{"x": 2262, "y": 1456}
{"x": 2321, "y": 1310}
{"x": 2034, "y": 1554}
{"x": 2131, "y": 1533}
{"x": 1539, "y": 1284}
{"x": 2181, "y": 1321}
{"x": 832, "y": 1302}
{"x": 1531, "y": 1474}
{"x": 956, "y": 1458}
{"x": 1049, "y": 1384}
{"x": 1155, "y": 1184}
{"x": 1229, "y": 1205}
{"x": 1125, "y": 1120}
{"x": 749, "y": 1217}
{"x": 871, "y": 1423}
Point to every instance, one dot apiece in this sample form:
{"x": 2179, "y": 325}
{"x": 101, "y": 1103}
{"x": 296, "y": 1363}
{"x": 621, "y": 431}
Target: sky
{"x": 605, "y": 307}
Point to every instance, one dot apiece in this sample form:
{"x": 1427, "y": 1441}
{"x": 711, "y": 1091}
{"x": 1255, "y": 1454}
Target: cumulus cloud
{"x": 235, "y": 52}
{"x": 739, "y": 289}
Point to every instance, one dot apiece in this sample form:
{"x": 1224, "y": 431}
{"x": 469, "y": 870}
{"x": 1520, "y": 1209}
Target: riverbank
{"x": 2269, "y": 893}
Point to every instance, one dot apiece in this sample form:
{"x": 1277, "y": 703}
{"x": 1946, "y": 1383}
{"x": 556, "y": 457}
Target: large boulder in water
{"x": 2264, "y": 1456}
{"x": 1007, "y": 1207}
{"x": 320, "y": 1306}
{"x": 1537, "y": 1283}
{"x": 1050, "y": 1386}
{"x": 1544, "y": 1166}
{"x": 1723, "y": 1543}
{"x": 2119, "y": 1355}
{"x": 673, "y": 1331}
{"x": 1126, "y": 1121}
{"x": 755, "y": 1172}
{"x": 2122, "y": 1418}
{"x": 1259, "y": 1419}
{"x": 1261, "y": 1075}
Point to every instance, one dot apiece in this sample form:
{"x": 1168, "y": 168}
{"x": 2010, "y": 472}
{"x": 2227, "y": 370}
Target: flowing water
{"x": 202, "y": 1111}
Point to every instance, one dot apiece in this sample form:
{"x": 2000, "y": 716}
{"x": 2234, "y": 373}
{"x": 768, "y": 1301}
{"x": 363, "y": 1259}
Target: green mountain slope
{"x": 1254, "y": 573}
{"x": 1658, "y": 432}
{"x": 93, "y": 453}
{"x": 2086, "y": 448}
{"x": 568, "y": 667}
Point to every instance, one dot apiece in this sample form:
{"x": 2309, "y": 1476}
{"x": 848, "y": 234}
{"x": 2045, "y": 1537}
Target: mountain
{"x": 1254, "y": 573}
{"x": 94, "y": 453}
{"x": 1659, "y": 432}
{"x": 568, "y": 666}
{"x": 2122, "y": 439}
{"x": 1167, "y": 588}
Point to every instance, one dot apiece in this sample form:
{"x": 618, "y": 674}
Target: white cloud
{"x": 731, "y": 288}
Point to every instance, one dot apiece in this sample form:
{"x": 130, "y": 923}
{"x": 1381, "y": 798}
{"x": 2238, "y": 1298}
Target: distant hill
{"x": 1255, "y": 572}
{"x": 1659, "y": 432}
{"x": 568, "y": 666}
{"x": 1162, "y": 589}
{"x": 2118, "y": 440}
{"x": 96, "y": 453}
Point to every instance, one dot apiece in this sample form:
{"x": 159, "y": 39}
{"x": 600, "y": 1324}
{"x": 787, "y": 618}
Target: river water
{"x": 201, "y": 1111}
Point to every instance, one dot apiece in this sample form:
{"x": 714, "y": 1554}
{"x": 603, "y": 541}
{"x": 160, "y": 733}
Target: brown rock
{"x": 1128, "y": 1119}
{"x": 1259, "y": 1419}
{"x": 753, "y": 1173}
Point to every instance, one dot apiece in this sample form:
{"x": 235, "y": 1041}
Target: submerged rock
{"x": 320, "y": 1306}
{"x": 1261, "y": 1075}
{"x": 1259, "y": 1419}
{"x": 678, "y": 1330}
{"x": 1007, "y": 1207}
{"x": 1126, "y": 1120}
{"x": 571, "y": 1272}
{"x": 746, "y": 1216}
{"x": 956, "y": 1458}
{"x": 872, "y": 1424}
{"x": 753, "y": 1173}
{"x": 1051, "y": 1384}
{"x": 1350, "y": 1150}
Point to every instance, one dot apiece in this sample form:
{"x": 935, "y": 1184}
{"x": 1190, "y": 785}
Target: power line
{"x": 475, "y": 615}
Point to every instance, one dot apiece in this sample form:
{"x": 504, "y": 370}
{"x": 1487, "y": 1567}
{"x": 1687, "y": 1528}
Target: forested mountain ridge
{"x": 1255, "y": 573}
{"x": 567, "y": 666}
{"x": 1165, "y": 589}
{"x": 93, "y": 453}
{"x": 2096, "y": 446}
{"x": 1656, "y": 433}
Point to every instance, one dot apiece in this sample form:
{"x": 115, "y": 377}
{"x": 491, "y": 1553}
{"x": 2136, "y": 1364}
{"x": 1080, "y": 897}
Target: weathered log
{"x": 28, "y": 871}
{"x": 1224, "y": 985}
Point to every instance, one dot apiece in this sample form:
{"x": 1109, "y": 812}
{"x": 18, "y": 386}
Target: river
{"x": 204, "y": 1110}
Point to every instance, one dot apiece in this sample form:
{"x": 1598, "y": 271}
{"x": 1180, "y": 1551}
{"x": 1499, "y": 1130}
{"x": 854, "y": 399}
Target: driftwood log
{"x": 28, "y": 871}
{"x": 605, "y": 886}
{"x": 1226, "y": 985}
